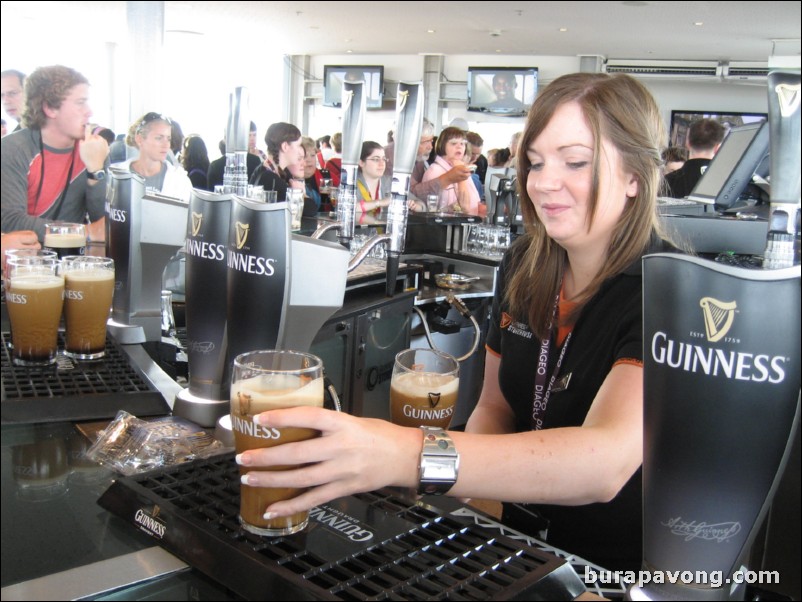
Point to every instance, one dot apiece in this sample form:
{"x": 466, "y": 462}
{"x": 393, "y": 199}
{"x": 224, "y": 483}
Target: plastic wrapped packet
{"x": 130, "y": 445}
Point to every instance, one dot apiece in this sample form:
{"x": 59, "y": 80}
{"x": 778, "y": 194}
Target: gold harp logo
{"x": 402, "y": 99}
{"x": 434, "y": 399}
{"x": 241, "y": 231}
{"x": 788, "y": 96}
{"x": 718, "y": 317}
{"x": 197, "y": 220}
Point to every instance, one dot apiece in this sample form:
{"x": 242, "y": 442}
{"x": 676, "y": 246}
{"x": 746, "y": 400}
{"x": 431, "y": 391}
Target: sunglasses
{"x": 150, "y": 118}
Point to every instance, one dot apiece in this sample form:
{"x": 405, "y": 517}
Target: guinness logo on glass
{"x": 402, "y": 99}
{"x": 718, "y": 317}
{"x": 434, "y": 399}
{"x": 789, "y": 98}
{"x": 242, "y": 233}
{"x": 197, "y": 220}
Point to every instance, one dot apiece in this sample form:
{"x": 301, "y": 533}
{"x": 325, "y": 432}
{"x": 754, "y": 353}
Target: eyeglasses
{"x": 150, "y": 118}
{"x": 427, "y": 140}
{"x": 378, "y": 159}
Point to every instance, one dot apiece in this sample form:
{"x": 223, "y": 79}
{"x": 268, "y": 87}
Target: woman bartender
{"x": 559, "y": 423}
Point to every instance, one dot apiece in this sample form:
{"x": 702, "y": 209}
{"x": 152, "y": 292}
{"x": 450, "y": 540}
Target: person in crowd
{"x": 324, "y": 150}
{"x": 252, "y": 148}
{"x": 474, "y": 156}
{"x": 498, "y": 157}
{"x": 674, "y": 157}
{"x": 53, "y": 168}
{"x": 419, "y": 188}
{"x": 704, "y": 139}
{"x": 152, "y": 138}
{"x": 217, "y": 168}
{"x": 460, "y": 197}
{"x": 390, "y": 136}
{"x": 176, "y": 142}
{"x": 12, "y": 94}
{"x": 195, "y": 161}
{"x": 513, "y": 148}
{"x": 4, "y": 129}
{"x": 312, "y": 178}
{"x": 504, "y": 87}
{"x": 283, "y": 149}
{"x": 373, "y": 186}
{"x": 105, "y": 133}
{"x": 569, "y": 291}
{"x": 335, "y": 162}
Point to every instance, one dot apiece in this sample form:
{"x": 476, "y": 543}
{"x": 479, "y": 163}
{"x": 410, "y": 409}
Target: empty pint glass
{"x": 35, "y": 296}
{"x": 268, "y": 380}
{"x": 88, "y": 291}
{"x": 423, "y": 389}
{"x": 65, "y": 238}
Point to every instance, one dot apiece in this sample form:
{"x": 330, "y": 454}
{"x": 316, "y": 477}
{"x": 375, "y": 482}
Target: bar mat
{"x": 74, "y": 390}
{"x": 374, "y": 546}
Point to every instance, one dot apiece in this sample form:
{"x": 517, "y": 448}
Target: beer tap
{"x": 235, "y": 176}
{"x": 784, "y": 124}
{"x": 409, "y": 120}
{"x": 353, "y": 120}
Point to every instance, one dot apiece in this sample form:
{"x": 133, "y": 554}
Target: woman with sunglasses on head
{"x": 459, "y": 197}
{"x": 152, "y": 136}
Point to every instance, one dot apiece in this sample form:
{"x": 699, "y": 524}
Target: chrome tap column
{"x": 353, "y": 122}
{"x": 786, "y": 154}
{"x": 235, "y": 176}
{"x": 409, "y": 122}
{"x": 142, "y": 238}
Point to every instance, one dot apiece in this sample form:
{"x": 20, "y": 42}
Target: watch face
{"x": 99, "y": 175}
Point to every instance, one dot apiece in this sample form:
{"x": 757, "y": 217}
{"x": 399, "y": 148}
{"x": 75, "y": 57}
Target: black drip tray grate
{"x": 371, "y": 546}
{"x": 74, "y": 390}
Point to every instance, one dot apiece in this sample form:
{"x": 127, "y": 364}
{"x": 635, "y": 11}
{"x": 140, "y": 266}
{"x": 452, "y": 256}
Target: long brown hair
{"x": 621, "y": 110}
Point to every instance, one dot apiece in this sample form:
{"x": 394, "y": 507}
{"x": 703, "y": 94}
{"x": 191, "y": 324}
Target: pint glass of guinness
{"x": 35, "y": 296}
{"x": 88, "y": 291}
{"x": 424, "y": 387}
{"x": 268, "y": 380}
{"x": 65, "y": 238}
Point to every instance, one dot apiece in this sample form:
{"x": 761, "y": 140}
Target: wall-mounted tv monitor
{"x": 502, "y": 90}
{"x": 681, "y": 120}
{"x": 335, "y": 75}
{"x": 738, "y": 158}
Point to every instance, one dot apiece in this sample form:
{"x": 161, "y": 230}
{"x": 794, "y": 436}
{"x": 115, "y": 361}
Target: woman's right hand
{"x": 352, "y": 455}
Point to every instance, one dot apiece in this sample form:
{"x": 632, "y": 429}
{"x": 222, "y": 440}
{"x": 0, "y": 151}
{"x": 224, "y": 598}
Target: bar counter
{"x": 59, "y": 543}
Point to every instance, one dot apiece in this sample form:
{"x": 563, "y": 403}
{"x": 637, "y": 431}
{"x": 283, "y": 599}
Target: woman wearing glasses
{"x": 372, "y": 184}
{"x": 459, "y": 197}
{"x": 152, "y": 136}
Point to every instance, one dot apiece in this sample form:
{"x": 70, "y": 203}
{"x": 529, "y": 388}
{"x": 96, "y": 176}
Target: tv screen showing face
{"x": 335, "y": 75}
{"x": 733, "y": 166}
{"x": 682, "y": 120}
{"x": 502, "y": 90}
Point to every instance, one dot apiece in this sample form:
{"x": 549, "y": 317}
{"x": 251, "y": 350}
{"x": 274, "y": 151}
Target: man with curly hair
{"x": 53, "y": 169}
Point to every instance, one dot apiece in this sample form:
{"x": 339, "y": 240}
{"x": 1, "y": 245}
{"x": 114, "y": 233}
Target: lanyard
{"x": 543, "y": 389}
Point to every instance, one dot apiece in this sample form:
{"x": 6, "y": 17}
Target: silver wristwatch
{"x": 439, "y": 462}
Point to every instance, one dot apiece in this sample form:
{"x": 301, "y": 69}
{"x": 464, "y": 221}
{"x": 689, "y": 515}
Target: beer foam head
{"x": 66, "y": 240}
{"x": 92, "y": 275}
{"x": 274, "y": 391}
{"x": 419, "y": 384}
{"x": 36, "y": 281}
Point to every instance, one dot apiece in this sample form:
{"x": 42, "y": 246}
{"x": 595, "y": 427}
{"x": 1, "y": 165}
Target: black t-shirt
{"x": 680, "y": 183}
{"x": 609, "y": 329}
